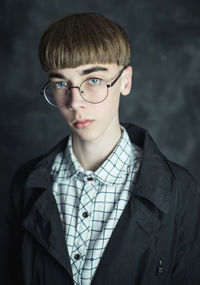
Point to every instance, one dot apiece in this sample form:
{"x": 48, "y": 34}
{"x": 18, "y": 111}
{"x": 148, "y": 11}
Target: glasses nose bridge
{"x": 71, "y": 87}
{"x": 74, "y": 87}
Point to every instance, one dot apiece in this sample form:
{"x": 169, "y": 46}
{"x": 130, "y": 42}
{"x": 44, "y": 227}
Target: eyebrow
{"x": 56, "y": 75}
{"x": 83, "y": 72}
{"x": 93, "y": 69}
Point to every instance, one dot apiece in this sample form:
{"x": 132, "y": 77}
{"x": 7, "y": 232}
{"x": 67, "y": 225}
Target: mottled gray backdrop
{"x": 165, "y": 99}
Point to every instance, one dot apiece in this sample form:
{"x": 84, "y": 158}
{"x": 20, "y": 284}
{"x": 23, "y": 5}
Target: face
{"x": 90, "y": 122}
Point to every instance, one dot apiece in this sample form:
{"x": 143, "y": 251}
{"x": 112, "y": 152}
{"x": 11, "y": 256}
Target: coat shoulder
{"x": 182, "y": 176}
{"x": 185, "y": 191}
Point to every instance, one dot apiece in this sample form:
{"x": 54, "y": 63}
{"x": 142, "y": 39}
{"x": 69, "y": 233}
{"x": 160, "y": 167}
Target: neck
{"x": 92, "y": 154}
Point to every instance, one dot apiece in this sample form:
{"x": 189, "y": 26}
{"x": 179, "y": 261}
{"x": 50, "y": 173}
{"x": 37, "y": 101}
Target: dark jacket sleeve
{"x": 9, "y": 245}
{"x": 187, "y": 265}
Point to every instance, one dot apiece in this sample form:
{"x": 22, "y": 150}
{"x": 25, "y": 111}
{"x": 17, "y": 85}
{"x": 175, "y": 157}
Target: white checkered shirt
{"x": 91, "y": 203}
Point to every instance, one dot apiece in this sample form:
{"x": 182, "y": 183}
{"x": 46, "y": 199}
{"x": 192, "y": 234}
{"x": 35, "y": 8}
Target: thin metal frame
{"x": 42, "y": 91}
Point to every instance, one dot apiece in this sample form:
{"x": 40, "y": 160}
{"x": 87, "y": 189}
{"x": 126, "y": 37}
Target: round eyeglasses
{"x": 93, "y": 90}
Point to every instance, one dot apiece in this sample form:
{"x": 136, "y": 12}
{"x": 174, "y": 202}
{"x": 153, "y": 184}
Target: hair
{"x": 83, "y": 38}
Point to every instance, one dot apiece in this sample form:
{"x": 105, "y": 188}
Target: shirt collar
{"x": 112, "y": 171}
{"x": 115, "y": 167}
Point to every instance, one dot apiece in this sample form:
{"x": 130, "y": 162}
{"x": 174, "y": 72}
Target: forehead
{"x": 83, "y": 70}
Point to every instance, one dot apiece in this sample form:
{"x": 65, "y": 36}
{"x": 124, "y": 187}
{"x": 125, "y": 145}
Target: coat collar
{"x": 154, "y": 177}
{"x": 43, "y": 222}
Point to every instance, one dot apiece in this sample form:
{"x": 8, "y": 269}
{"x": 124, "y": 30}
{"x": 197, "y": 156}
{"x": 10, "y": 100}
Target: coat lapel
{"x": 43, "y": 221}
{"x": 130, "y": 240}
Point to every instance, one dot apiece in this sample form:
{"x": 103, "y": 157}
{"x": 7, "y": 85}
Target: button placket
{"x": 83, "y": 223}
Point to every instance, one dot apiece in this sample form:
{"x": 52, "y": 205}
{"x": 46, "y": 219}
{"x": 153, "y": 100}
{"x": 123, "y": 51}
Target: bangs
{"x": 80, "y": 39}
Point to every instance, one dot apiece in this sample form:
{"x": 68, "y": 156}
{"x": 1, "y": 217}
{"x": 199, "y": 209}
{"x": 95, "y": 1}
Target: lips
{"x": 81, "y": 124}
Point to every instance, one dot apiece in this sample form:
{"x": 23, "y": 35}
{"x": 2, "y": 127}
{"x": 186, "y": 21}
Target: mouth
{"x": 81, "y": 124}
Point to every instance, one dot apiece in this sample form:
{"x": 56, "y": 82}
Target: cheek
{"x": 111, "y": 104}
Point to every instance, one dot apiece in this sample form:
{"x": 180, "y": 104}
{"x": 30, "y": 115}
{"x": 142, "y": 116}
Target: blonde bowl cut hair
{"x": 83, "y": 38}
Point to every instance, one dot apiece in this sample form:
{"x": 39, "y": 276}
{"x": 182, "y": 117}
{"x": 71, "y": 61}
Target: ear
{"x": 126, "y": 82}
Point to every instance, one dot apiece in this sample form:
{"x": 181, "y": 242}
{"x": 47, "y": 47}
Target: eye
{"x": 94, "y": 81}
{"x": 59, "y": 85}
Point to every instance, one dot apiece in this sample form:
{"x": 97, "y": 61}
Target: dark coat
{"x": 156, "y": 240}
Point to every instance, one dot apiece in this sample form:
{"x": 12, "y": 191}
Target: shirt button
{"x": 90, "y": 179}
{"x": 85, "y": 214}
{"x": 77, "y": 256}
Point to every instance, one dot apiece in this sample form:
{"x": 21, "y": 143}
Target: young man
{"x": 105, "y": 206}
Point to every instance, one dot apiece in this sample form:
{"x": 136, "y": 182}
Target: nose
{"x": 75, "y": 101}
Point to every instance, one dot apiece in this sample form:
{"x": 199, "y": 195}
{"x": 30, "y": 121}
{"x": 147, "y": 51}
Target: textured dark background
{"x": 165, "y": 99}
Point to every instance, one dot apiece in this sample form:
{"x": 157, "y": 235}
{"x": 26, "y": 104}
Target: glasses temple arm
{"x": 112, "y": 83}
